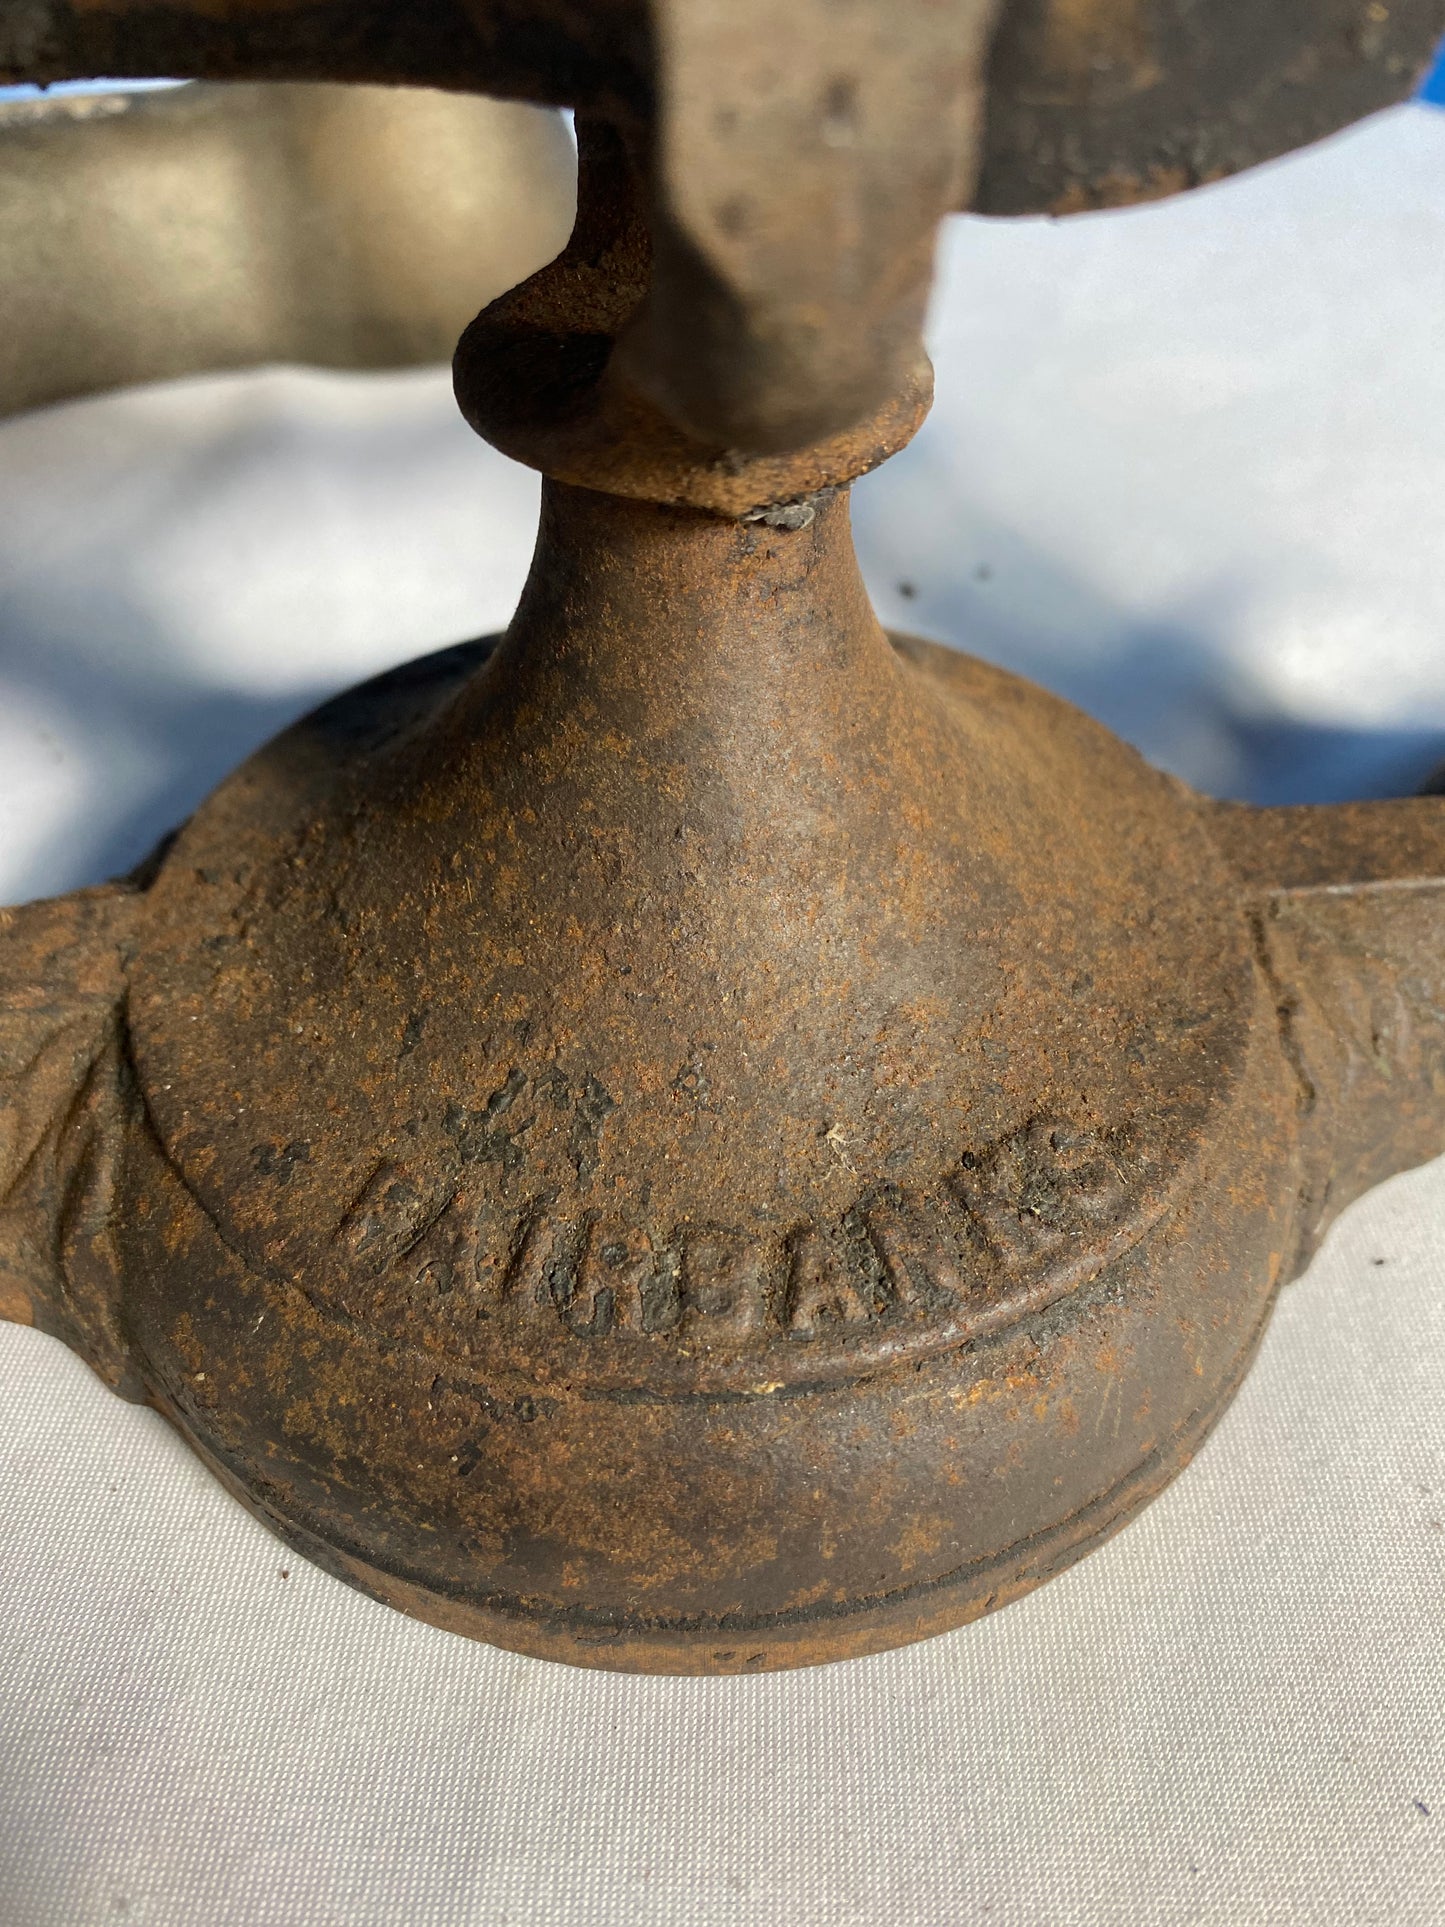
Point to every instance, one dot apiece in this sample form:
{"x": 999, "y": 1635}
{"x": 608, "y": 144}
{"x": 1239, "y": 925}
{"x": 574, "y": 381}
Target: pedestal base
{"x": 672, "y": 1183}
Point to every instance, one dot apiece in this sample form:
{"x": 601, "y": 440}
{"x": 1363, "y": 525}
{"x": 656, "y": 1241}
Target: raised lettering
{"x": 383, "y": 1218}
{"x": 724, "y": 1284}
{"x": 608, "y": 1293}
{"x": 923, "y": 1263}
{"x": 540, "y": 1277}
{"x": 1052, "y": 1186}
{"x": 1048, "y": 1183}
{"x": 823, "y": 1288}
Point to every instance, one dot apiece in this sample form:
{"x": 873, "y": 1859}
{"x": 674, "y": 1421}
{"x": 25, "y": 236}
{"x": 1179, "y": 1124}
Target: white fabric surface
{"x": 1188, "y": 465}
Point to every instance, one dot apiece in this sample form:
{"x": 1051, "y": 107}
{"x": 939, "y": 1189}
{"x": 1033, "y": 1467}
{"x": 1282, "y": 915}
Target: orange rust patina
{"x": 697, "y": 1135}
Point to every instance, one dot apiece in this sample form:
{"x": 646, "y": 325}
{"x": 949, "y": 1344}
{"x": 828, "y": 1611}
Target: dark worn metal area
{"x": 568, "y": 53}
{"x": 1096, "y": 103}
{"x": 696, "y": 1136}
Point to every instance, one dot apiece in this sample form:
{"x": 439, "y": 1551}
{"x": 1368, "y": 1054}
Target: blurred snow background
{"x": 1186, "y": 466}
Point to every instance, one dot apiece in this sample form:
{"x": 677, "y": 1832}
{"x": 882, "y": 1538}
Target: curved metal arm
{"x": 345, "y": 227}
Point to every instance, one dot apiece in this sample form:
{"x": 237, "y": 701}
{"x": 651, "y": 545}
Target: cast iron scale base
{"x": 697, "y": 1136}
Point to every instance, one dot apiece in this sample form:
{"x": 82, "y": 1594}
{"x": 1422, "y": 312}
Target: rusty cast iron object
{"x": 697, "y": 1136}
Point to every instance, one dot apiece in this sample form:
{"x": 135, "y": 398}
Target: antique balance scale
{"x": 696, "y": 1136}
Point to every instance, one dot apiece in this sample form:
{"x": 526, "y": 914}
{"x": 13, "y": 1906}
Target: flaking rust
{"x": 695, "y": 1135}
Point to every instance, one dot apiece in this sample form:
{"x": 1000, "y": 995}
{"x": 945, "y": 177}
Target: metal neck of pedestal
{"x": 633, "y": 607}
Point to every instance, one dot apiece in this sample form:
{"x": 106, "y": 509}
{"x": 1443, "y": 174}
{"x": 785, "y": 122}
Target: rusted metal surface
{"x": 67, "y": 1104}
{"x": 678, "y": 1207}
{"x": 1096, "y": 103}
{"x": 695, "y": 1136}
{"x": 650, "y": 1172}
{"x": 1348, "y": 908}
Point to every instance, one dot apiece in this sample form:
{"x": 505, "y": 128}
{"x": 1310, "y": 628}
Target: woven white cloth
{"x": 1188, "y": 465}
